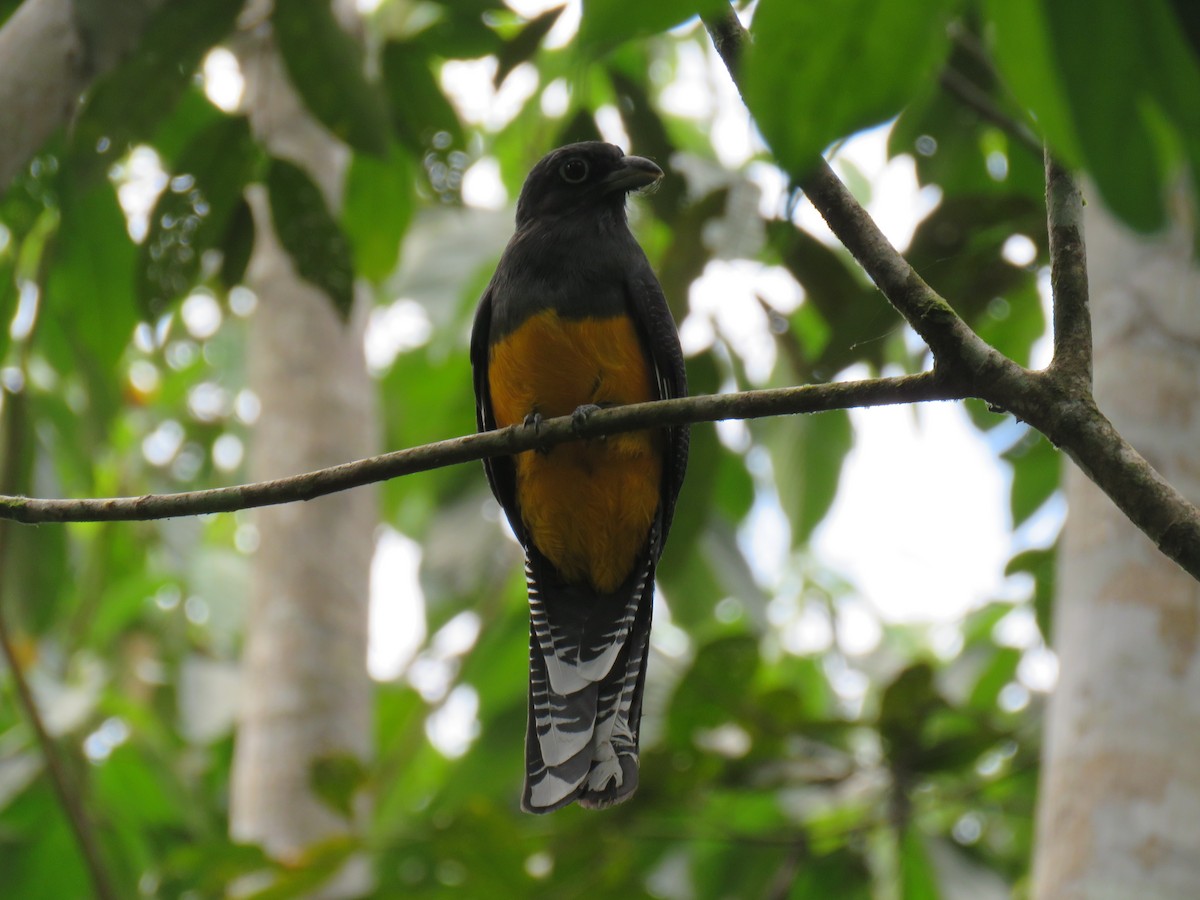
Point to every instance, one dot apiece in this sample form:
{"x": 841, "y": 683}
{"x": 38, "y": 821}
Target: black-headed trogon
{"x": 574, "y": 319}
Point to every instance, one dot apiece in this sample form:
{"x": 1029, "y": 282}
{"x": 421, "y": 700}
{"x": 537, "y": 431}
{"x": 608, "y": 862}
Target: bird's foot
{"x": 583, "y": 413}
{"x": 606, "y": 769}
{"x": 534, "y": 420}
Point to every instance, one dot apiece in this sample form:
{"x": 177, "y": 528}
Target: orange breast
{"x": 588, "y": 506}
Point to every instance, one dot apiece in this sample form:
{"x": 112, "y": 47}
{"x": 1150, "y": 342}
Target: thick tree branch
{"x": 503, "y": 442}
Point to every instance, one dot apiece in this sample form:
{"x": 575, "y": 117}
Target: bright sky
{"x": 920, "y": 528}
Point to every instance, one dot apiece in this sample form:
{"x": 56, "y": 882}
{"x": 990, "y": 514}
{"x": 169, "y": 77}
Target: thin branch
{"x": 68, "y": 795}
{"x": 970, "y": 95}
{"x": 1068, "y": 278}
{"x": 503, "y": 442}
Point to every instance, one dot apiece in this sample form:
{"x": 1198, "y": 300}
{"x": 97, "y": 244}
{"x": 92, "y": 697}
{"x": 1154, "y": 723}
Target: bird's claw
{"x": 534, "y": 420}
{"x": 581, "y": 415}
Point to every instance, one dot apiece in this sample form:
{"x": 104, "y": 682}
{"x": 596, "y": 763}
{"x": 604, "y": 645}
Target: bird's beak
{"x": 635, "y": 172}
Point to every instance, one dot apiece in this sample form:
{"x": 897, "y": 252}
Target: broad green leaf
{"x": 1037, "y": 472}
{"x": 1041, "y": 564}
{"x": 336, "y": 779}
{"x": 954, "y": 147}
{"x": 419, "y": 109}
{"x": 807, "y": 453}
{"x": 89, "y": 285}
{"x": 1081, "y": 68}
{"x": 319, "y": 249}
{"x": 907, "y": 701}
{"x": 326, "y": 66}
{"x": 128, "y": 103}
{"x": 237, "y": 244}
{"x": 195, "y": 212}
{"x": 1100, "y": 53}
{"x": 377, "y": 209}
{"x": 607, "y": 23}
{"x": 998, "y": 672}
{"x": 918, "y": 878}
{"x": 716, "y": 689}
{"x": 795, "y": 79}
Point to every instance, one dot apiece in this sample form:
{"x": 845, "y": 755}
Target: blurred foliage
{"x": 780, "y": 761}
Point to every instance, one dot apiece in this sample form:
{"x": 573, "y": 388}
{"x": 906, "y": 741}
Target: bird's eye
{"x": 574, "y": 170}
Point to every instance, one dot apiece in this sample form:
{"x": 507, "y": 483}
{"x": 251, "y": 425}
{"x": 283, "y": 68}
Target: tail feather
{"x": 587, "y": 667}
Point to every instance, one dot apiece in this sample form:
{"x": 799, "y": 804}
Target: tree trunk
{"x": 1119, "y": 810}
{"x": 49, "y": 51}
{"x": 306, "y": 692}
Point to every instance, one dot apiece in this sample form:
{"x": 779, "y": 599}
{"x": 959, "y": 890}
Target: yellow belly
{"x": 588, "y": 505}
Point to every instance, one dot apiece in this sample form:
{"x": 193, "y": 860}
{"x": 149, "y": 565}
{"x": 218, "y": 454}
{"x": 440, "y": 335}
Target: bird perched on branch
{"x": 574, "y": 320}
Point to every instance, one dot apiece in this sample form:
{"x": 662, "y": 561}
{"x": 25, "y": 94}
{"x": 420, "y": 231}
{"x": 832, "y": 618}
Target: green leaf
{"x": 127, "y": 104}
{"x": 89, "y": 286}
{"x": 807, "y": 453}
{"x": 336, "y": 778}
{"x": 1101, "y": 53}
{"x": 999, "y": 671}
{"x": 1082, "y": 69}
{"x": 607, "y": 23}
{"x": 525, "y": 44}
{"x": 237, "y": 244}
{"x": 194, "y": 214}
{"x": 1041, "y": 564}
{"x": 716, "y": 689}
{"x": 319, "y": 249}
{"x": 843, "y": 874}
{"x": 803, "y": 101}
{"x": 419, "y": 109}
{"x": 856, "y": 316}
{"x": 376, "y": 211}
{"x": 326, "y": 66}
{"x": 918, "y": 878}
{"x": 1037, "y": 471}
{"x": 907, "y": 701}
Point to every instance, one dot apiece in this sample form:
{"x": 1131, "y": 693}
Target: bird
{"x": 574, "y": 320}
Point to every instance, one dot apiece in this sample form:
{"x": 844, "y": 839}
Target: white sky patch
{"x": 401, "y": 325}
{"x": 397, "y": 605}
{"x": 566, "y": 26}
{"x": 223, "y": 80}
{"x": 139, "y": 178}
{"x": 689, "y": 94}
{"x": 201, "y": 314}
{"x": 455, "y": 724}
{"x": 897, "y": 203}
{"x": 556, "y": 98}
{"x": 920, "y": 523}
{"x": 612, "y": 127}
{"x": 724, "y": 300}
{"x": 482, "y": 186}
{"x": 468, "y": 83}
{"x": 1019, "y": 250}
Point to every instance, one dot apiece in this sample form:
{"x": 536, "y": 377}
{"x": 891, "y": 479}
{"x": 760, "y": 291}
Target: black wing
{"x": 501, "y": 473}
{"x": 649, "y": 309}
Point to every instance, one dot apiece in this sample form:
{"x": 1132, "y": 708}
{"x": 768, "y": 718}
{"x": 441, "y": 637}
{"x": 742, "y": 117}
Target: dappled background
{"x": 848, "y": 662}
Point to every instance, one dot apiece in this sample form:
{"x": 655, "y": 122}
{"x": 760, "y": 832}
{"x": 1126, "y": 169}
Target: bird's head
{"x": 591, "y": 175}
